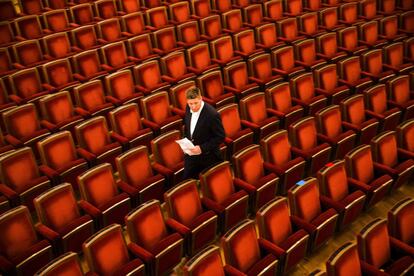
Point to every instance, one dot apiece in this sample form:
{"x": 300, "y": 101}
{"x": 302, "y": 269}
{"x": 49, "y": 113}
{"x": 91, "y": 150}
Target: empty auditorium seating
{"x": 58, "y": 73}
{"x": 68, "y": 262}
{"x": 188, "y": 34}
{"x": 308, "y": 212}
{"x": 29, "y": 27}
{"x": 245, "y": 44}
{"x": 369, "y": 35}
{"x": 61, "y": 221}
{"x": 88, "y": 66}
{"x": 400, "y": 226}
{"x": 213, "y": 90}
{"x": 399, "y": 95}
{"x": 222, "y": 196}
{"x": 21, "y": 178}
{"x": 394, "y": 58}
{"x": 355, "y": 118}
{"x": 222, "y": 51}
{"x": 90, "y": 97}
{"x": 348, "y": 41}
{"x": 377, "y": 249}
{"x": 287, "y": 30}
{"x": 303, "y": 92}
{"x": 27, "y": 86}
{"x": 107, "y": 253}
{"x": 127, "y": 128}
{"x": 95, "y": 143}
{"x": 372, "y": 66}
{"x": 280, "y": 235}
{"x": 307, "y": 145}
{"x": 236, "y": 80}
{"x": 23, "y": 127}
{"x": 363, "y": 174}
{"x": 189, "y": 217}
{"x": 211, "y": 27}
{"x": 58, "y": 112}
{"x": 345, "y": 260}
{"x": 115, "y": 57}
{"x": 174, "y": 68}
{"x": 388, "y": 161}
{"x": 160, "y": 248}
{"x": 149, "y": 78}
{"x": 137, "y": 176}
{"x": 327, "y": 47}
{"x": 105, "y": 8}
{"x": 256, "y": 116}
{"x": 207, "y": 262}
{"x": 100, "y": 196}
{"x": 245, "y": 253}
{"x": 28, "y": 53}
{"x": 133, "y": 23}
{"x": 266, "y": 36}
{"x": 377, "y": 107}
{"x": 279, "y": 159}
{"x": 237, "y": 135}
{"x": 168, "y": 157}
{"x": 85, "y": 37}
{"x": 251, "y": 176}
{"x": 331, "y": 131}
{"x": 308, "y": 25}
{"x": 165, "y": 41}
{"x": 60, "y": 159}
{"x": 388, "y": 29}
{"x": 57, "y": 21}
{"x": 329, "y": 19}
{"x": 261, "y": 71}
{"x": 120, "y": 88}
{"x": 284, "y": 62}
{"x": 140, "y": 48}
{"x": 405, "y": 132}
{"x": 26, "y": 252}
{"x": 157, "y": 113}
{"x": 338, "y": 193}
{"x": 279, "y": 102}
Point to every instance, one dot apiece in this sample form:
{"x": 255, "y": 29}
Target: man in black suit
{"x": 204, "y": 128}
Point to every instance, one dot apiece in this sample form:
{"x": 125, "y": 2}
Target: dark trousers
{"x": 195, "y": 164}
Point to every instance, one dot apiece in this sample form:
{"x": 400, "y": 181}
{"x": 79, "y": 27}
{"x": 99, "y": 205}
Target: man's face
{"x": 194, "y": 104}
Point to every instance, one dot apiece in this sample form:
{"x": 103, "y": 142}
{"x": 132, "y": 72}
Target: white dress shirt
{"x": 194, "y": 118}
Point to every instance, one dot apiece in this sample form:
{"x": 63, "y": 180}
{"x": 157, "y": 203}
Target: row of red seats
{"x": 240, "y": 78}
{"x": 382, "y": 248}
{"x": 61, "y": 161}
{"x": 335, "y": 203}
{"x": 232, "y": 21}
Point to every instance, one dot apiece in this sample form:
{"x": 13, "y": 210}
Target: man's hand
{"x": 196, "y": 150}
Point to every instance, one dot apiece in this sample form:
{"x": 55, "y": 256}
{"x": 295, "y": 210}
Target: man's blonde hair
{"x": 192, "y": 93}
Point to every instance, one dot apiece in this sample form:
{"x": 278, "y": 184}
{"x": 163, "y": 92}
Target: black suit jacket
{"x": 209, "y": 131}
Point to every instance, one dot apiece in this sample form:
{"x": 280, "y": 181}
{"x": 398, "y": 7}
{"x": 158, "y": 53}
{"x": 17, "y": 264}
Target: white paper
{"x": 186, "y": 145}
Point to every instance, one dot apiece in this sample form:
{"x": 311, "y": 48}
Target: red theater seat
{"x": 168, "y": 157}
{"x": 354, "y": 118}
{"x": 280, "y": 235}
{"x": 365, "y": 175}
{"x": 22, "y": 251}
{"x": 137, "y": 176}
{"x": 252, "y": 176}
{"x": 88, "y": 65}
{"x": 189, "y": 218}
{"x": 378, "y": 250}
{"x": 308, "y": 212}
{"x": 21, "y": 179}
{"x": 68, "y": 262}
{"x": 405, "y": 132}
{"x": 106, "y": 253}
{"x": 245, "y": 253}
{"x": 60, "y": 219}
{"x": 221, "y": 195}
{"x": 61, "y": 162}
{"x": 338, "y": 193}
{"x": 400, "y": 224}
{"x": 100, "y": 196}
{"x": 95, "y": 143}
{"x": 385, "y": 154}
{"x": 213, "y": 90}
{"x": 206, "y": 262}
{"x": 160, "y": 247}
{"x": 236, "y": 79}
{"x": 121, "y": 89}
{"x": 90, "y": 97}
